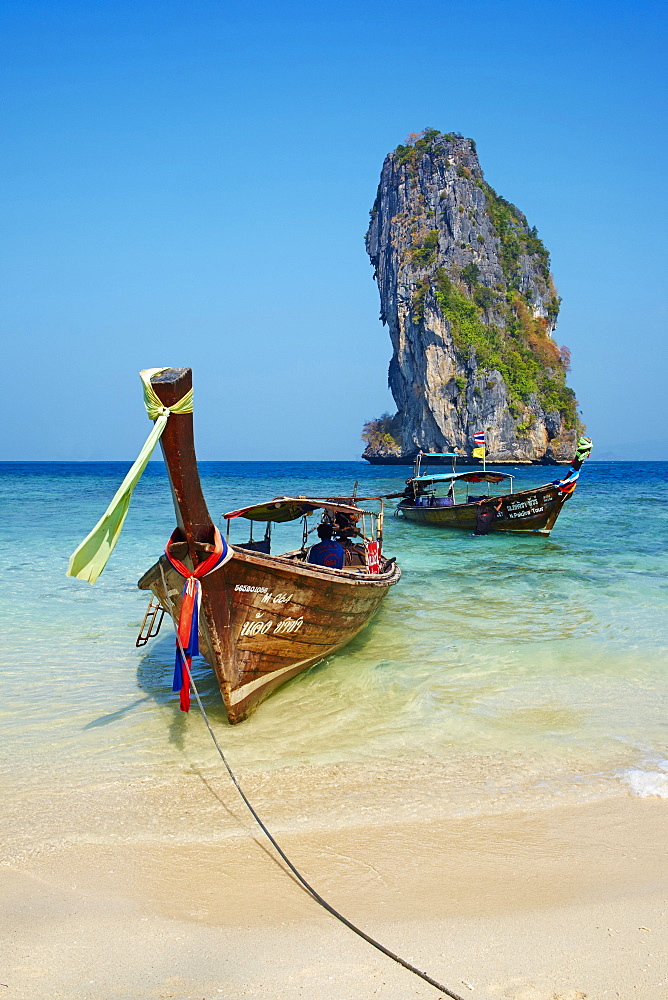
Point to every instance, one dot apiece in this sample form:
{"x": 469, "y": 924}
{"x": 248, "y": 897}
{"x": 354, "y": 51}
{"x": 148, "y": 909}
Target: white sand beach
{"x": 559, "y": 904}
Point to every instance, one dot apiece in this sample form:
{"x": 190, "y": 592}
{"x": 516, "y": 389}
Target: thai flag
{"x": 479, "y": 438}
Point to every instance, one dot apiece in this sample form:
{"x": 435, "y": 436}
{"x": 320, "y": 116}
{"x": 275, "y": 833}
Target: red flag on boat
{"x": 373, "y": 557}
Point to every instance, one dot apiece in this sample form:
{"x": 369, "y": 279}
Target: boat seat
{"x": 262, "y": 546}
{"x": 471, "y": 499}
{"x": 354, "y": 558}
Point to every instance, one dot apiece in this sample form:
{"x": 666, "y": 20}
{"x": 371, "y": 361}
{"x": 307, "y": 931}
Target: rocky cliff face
{"x": 466, "y": 290}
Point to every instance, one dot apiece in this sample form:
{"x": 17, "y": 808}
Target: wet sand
{"x": 561, "y": 903}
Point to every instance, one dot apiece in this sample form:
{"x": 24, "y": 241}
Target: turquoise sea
{"x": 502, "y": 672}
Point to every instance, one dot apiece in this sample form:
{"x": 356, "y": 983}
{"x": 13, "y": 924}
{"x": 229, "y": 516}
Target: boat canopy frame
{"x": 425, "y": 486}
{"x": 433, "y": 454}
{"x": 281, "y": 510}
{"x": 486, "y": 476}
{"x": 284, "y": 509}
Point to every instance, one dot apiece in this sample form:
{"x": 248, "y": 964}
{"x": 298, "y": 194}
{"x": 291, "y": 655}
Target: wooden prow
{"x": 178, "y": 448}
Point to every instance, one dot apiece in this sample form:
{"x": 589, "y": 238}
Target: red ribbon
{"x": 187, "y": 643}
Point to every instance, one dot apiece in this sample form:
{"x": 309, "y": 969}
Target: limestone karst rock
{"x": 466, "y": 290}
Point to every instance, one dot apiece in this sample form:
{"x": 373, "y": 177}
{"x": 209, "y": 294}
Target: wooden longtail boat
{"x": 264, "y": 618}
{"x": 435, "y": 500}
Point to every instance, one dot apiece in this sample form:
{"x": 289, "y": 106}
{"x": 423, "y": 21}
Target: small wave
{"x": 647, "y": 783}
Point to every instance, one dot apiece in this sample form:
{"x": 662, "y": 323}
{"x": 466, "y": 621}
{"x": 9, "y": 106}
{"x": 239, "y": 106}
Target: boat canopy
{"x": 282, "y": 509}
{"x": 467, "y": 477}
{"x": 439, "y": 454}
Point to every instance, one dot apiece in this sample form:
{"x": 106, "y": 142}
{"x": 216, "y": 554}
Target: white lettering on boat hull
{"x": 285, "y": 626}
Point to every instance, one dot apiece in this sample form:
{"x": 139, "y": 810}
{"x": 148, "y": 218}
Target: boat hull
{"x": 264, "y": 619}
{"x": 532, "y": 511}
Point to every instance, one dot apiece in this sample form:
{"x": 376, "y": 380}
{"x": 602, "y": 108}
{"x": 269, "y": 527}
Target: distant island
{"x": 466, "y": 290}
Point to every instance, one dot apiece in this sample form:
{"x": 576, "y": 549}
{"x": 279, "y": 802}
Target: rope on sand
{"x": 279, "y": 850}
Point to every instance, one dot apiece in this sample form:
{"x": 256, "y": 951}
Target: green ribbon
{"x": 91, "y": 556}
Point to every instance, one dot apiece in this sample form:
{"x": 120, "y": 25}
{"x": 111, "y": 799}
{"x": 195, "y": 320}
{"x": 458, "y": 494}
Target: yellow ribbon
{"x": 91, "y": 556}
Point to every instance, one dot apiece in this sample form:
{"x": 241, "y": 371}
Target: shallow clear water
{"x": 501, "y": 670}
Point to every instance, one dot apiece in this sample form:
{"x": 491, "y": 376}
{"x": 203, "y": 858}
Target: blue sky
{"x": 189, "y": 184}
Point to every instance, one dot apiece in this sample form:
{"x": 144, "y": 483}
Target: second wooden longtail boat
{"x": 436, "y": 499}
{"x": 264, "y": 618}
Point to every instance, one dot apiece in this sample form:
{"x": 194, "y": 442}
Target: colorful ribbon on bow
{"x": 570, "y": 480}
{"x": 584, "y": 448}
{"x": 187, "y": 643}
{"x": 568, "y": 483}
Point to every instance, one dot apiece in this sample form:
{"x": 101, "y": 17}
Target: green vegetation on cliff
{"x": 419, "y": 143}
{"x": 378, "y": 433}
{"x": 516, "y": 238}
{"x": 522, "y": 350}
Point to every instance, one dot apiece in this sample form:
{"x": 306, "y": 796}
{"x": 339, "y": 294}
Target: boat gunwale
{"x": 283, "y": 561}
{"x": 347, "y": 574}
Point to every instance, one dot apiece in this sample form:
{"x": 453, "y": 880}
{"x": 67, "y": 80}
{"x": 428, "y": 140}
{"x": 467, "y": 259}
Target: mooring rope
{"x": 279, "y": 850}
